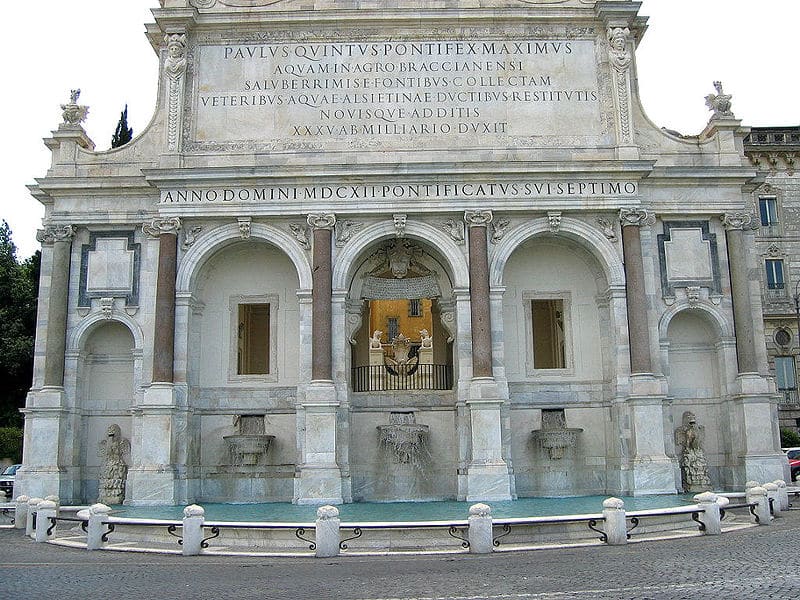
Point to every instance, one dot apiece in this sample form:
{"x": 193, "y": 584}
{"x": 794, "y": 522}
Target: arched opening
{"x": 243, "y": 369}
{"x": 106, "y": 391}
{"x": 558, "y": 354}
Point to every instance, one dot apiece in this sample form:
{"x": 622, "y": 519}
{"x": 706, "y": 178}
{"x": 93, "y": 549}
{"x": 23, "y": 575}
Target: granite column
{"x": 647, "y": 469}
{"x": 487, "y": 473}
{"x": 319, "y": 479}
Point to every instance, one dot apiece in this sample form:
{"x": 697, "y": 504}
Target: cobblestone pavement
{"x": 747, "y": 564}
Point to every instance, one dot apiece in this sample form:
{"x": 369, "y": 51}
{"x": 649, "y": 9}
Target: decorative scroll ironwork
{"x": 357, "y": 533}
{"x": 50, "y": 529}
{"x": 634, "y": 525}
{"x": 506, "y": 531}
{"x": 214, "y": 534}
{"x": 171, "y": 530}
{"x": 299, "y": 533}
{"x": 454, "y": 533}
{"x": 592, "y": 523}
{"x": 696, "y": 519}
{"x": 110, "y": 530}
{"x": 7, "y": 512}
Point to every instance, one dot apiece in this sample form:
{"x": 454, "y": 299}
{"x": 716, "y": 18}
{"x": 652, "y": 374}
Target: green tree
{"x": 123, "y": 134}
{"x": 18, "y": 294}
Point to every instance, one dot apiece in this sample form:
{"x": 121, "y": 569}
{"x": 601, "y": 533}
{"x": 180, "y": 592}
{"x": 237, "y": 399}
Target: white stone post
{"x": 21, "y": 513}
{"x": 193, "y": 519}
{"x": 783, "y": 494}
{"x": 709, "y": 513}
{"x": 616, "y": 528}
{"x": 772, "y": 498}
{"x": 98, "y": 517}
{"x": 327, "y": 533}
{"x": 30, "y": 524}
{"x": 480, "y": 529}
{"x": 45, "y": 510}
{"x": 758, "y": 495}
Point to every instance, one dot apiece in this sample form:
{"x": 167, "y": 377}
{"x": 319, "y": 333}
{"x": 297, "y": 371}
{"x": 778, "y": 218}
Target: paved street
{"x": 753, "y": 563}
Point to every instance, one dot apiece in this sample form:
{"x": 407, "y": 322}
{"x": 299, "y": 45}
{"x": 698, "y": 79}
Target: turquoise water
{"x": 402, "y": 511}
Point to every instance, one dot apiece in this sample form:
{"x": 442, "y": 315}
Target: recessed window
{"x": 253, "y": 339}
{"x": 768, "y": 210}
{"x": 392, "y": 328}
{"x": 549, "y": 350}
{"x": 414, "y": 308}
{"x": 783, "y": 337}
{"x": 785, "y": 372}
{"x": 774, "y": 274}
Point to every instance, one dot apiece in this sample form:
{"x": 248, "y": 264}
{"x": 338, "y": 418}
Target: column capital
{"x": 477, "y": 218}
{"x": 158, "y": 226}
{"x": 55, "y": 233}
{"x": 738, "y": 221}
{"x": 321, "y": 220}
{"x": 635, "y": 217}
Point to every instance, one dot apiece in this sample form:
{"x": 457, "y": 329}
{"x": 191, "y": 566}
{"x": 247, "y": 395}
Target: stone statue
{"x": 375, "y": 340}
{"x": 72, "y": 113}
{"x": 427, "y": 340}
{"x": 694, "y": 468}
{"x": 115, "y": 471}
{"x": 720, "y": 103}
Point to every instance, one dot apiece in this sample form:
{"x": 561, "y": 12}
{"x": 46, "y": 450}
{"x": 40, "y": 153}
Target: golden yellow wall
{"x": 381, "y": 310}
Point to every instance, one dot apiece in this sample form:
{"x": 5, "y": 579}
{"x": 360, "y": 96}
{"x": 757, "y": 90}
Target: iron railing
{"x": 380, "y": 378}
{"x": 788, "y": 396}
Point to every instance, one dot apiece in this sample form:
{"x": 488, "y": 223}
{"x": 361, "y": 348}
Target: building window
{"x": 253, "y": 339}
{"x": 547, "y": 317}
{"x": 768, "y": 209}
{"x": 415, "y": 308}
{"x": 785, "y": 373}
{"x": 392, "y": 329}
{"x": 775, "y": 274}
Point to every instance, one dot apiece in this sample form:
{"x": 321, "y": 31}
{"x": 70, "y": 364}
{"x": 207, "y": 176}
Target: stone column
{"x": 47, "y": 457}
{"x": 60, "y": 238}
{"x": 322, "y": 226}
{"x": 488, "y": 477}
{"x": 648, "y": 468}
{"x": 477, "y": 222}
{"x": 740, "y": 290}
{"x": 154, "y": 476}
{"x": 319, "y": 479}
{"x": 752, "y": 411}
{"x": 636, "y": 297}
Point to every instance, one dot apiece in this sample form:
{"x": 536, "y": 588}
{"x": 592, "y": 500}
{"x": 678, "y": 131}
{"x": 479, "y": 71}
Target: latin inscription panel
{"x": 393, "y": 93}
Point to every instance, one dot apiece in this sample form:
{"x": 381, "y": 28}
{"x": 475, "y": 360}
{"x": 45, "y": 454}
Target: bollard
{"x": 480, "y": 529}
{"x": 758, "y": 495}
{"x": 772, "y": 498}
{"x": 327, "y": 532}
{"x": 193, "y": 518}
{"x": 709, "y": 513}
{"x": 616, "y": 528}
{"x": 783, "y": 495}
{"x": 98, "y": 517}
{"x": 45, "y": 510}
{"x": 30, "y": 525}
{"x": 21, "y": 513}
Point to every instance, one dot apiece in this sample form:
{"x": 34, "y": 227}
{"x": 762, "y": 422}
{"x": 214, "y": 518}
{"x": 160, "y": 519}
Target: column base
{"x": 149, "y": 487}
{"x": 318, "y": 484}
{"x": 488, "y": 482}
{"x": 656, "y": 476}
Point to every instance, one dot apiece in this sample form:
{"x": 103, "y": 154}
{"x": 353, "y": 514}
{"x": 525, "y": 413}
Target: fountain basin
{"x": 556, "y": 441}
{"x": 247, "y": 448}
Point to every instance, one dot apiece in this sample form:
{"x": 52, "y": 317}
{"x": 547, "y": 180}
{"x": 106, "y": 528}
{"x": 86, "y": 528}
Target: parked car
{"x": 793, "y": 454}
{"x": 7, "y": 480}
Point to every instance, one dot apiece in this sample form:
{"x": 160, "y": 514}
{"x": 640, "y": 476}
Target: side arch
{"x": 587, "y": 236}
{"x": 80, "y": 334}
{"x": 224, "y": 235}
{"x": 346, "y": 260}
{"x": 722, "y": 328}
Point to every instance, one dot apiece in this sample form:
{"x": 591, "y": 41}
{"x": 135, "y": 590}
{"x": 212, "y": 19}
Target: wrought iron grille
{"x": 379, "y": 378}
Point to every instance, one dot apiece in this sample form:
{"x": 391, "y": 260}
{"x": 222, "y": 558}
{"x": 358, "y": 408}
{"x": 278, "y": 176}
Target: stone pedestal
{"x": 487, "y": 473}
{"x": 318, "y": 479}
{"x": 158, "y": 427}
{"x": 651, "y": 471}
